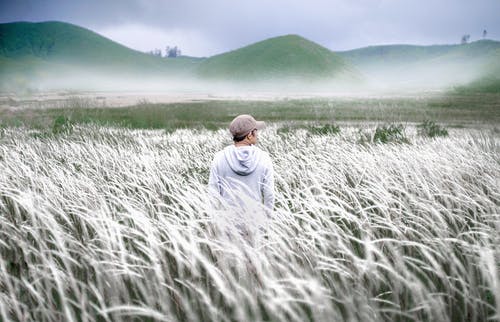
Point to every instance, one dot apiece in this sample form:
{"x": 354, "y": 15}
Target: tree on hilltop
{"x": 172, "y": 52}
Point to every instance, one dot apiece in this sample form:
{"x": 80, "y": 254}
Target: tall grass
{"x": 105, "y": 224}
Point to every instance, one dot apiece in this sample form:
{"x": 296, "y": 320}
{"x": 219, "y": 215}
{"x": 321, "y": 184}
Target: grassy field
{"x": 456, "y": 109}
{"x": 387, "y": 210}
{"x": 110, "y": 224}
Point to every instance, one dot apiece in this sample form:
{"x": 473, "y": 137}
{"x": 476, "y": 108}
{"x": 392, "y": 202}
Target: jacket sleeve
{"x": 268, "y": 187}
{"x": 214, "y": 181}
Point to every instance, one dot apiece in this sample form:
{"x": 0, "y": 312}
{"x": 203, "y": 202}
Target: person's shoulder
{"x": 218, "y": 156}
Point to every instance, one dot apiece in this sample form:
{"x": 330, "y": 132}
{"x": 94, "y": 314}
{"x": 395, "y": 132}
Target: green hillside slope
{"x": 35, "y": 52}
{"x": 489, "y": 81}
{"x": 426, "y": 66}
{"x": 285, "y": 57}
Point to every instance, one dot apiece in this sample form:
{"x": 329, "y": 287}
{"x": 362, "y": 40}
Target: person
{"x": 241, "y": 184}
{"x": 241, "y": 175}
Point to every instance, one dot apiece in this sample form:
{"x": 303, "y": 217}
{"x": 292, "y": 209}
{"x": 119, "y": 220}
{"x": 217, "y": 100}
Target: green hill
{"x": 53, "y": 52}
{"x": 59, "y": 42}
{"x": 288, "y": 57}
{"x": 425, "y": 65}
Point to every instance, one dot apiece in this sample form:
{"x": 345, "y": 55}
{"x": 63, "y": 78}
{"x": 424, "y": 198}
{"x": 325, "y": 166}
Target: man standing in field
{"x": 241, "y": 175}
{"x": 241, "y": 184}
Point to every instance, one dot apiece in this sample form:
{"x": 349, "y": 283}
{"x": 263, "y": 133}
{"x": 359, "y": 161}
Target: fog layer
{"x": 376, "y": 77}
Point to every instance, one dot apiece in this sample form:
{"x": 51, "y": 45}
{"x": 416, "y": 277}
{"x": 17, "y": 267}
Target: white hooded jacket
{"x": 241, "y": 175}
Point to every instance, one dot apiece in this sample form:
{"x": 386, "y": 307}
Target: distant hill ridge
{"x": 412, "y": 53}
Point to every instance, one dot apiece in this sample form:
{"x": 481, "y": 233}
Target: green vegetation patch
{"x": 318, "y": 129}
{"x": 431, "y": 129}
{"x": 62, "y": 125}
{"x": 390, "y": 133}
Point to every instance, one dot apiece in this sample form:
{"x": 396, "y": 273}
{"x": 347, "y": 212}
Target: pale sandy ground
{"x": 119, "y": 99}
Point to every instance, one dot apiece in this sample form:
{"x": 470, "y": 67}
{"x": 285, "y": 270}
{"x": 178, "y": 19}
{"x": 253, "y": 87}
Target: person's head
{"x": 244, "y": 129}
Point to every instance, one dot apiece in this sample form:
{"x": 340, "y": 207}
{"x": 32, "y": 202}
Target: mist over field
{"x": 373, "y": 77}
{"x": 381, "y": 79}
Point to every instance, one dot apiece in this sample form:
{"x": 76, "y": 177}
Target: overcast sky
{"x": 204, "y": 28}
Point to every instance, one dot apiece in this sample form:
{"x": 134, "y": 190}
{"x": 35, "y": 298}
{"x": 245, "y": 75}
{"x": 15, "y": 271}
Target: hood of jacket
{"x": 242, "y": 160}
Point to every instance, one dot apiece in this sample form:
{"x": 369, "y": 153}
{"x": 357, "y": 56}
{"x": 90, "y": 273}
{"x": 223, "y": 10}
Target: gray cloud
{"x": 223, "y": 25}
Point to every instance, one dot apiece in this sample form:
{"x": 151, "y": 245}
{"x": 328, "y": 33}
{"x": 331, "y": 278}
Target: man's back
{"x": 242, "y": 173}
